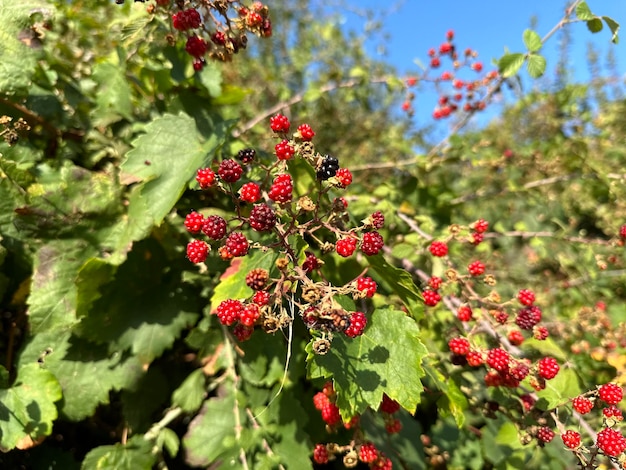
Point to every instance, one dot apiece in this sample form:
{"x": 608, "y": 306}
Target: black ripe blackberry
{"x": 328, "y": 168}
{"x": 246, "y": 155}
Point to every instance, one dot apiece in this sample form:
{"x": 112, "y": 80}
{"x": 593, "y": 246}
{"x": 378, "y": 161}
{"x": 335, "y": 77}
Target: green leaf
{"x": 19, "y": 50}
{"x": 583, "y": 12}
{"x": 387, "y": 358}
{"x": 594, "y": 25}
{"x": 191, "y": 393}
{"x": 509, "y": 64}
{"x": 132, "y": 314}
{"x": 169, "y": 440}
{"x": 453, "y": 401}
{"x": 536, "y": 65}
{"x": 211, "y": 78}
{"x": 532, "y": 40}
{"x": 559, "y": 390}
{"x": 211, "y": 434}
{"x": 113, "y": 95}
{"x": 136, "y": 454}
{"x": 27, "y": 409}
{"x": 614, "y": 27}
{"x": 163, "y": 160}
{"x": 401, "y": 283}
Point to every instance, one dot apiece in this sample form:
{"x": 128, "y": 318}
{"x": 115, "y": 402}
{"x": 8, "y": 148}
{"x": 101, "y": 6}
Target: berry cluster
{"x": 359, "y": 449}
{"x": 270, "y": 216}
{"x": 455, "y": 93}
{"x": 213, "y": 31}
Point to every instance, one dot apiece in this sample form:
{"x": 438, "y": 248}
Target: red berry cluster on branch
{"x": 270, "y": 215}
{"x": 359, "y": 449}
{"x": 214, "y": 30}
{"x": 455, "y": 93}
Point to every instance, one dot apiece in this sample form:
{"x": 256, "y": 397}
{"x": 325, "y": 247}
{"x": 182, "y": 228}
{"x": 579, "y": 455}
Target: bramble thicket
{"x": 226, "y": 244}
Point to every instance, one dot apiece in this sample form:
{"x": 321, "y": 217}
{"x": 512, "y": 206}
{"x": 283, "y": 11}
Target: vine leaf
{"x": 387, "y": 358}
{"x": 136, "y": 454}
{"x": 27, "y": 409}
{"x": 400, "y": 282}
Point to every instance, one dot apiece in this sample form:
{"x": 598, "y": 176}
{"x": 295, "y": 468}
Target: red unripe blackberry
{"x": 526, "y": 297}
{"x": 480, "y": 226}
{"x": 282, "y": 188}
{"x": 476, "y": 238}
{"x": 344, "y": 177}
{"x": 545, "y": 434}
{"x": 198, "y": 64}
{"x": 320, "y": 454}
{"x": 230, "y": 171}
{"x": 214, "y": 227}
{"x": 197, "y": 251}
{"x": 477, "y": 66}
{"x": 388, "y": 405}
{"x": 500, "y": 316}
{"x": 435, "y": 282}
{"x": 250, "y": 192}
{"x": 320, "y": 399}
{"x": 610, "y": 393}
{"x": 528, "y": 402}
{"x": 328, "y": 168}
{"x": 612, "y": 412}
{"x": 330, "y": 414}
{"x": 249, "y": 315}
{"x": 228, "y": 311}
{"x": 393, "y": 426}
{"x": 528, "y": 317}
{"x": 475, "y": 358}
{"x": 548, "y": 368}
{"x": 540, "y": 333}
{"x": 438, "y": 248}
{"x": 186, "y": 19}
{"x": 493, "y": 379}
{"x": 622, "y": 232}
{"x": 242, "y": 332}
{"x": 196, "y": 46}
{"x": 305, "y": 132}
{"x": 279, "y": 123}
{"x": 193, "y": 222}
{"x": 516, "y": 337}
{"x": 498, "y": 359}
{"x": 431, "y": 297}
{"x": 459, "y": 346}
{"x": 237, "y": 244}
{"x": 358, "y": 322}
{"x": 582, "y": 404}
{"x": 445, "y": 48}
{"x": 476, "y": 268}
{"x": 257, "y": 278}
{"x": 519, "y": 371}
{"x": 284, "y": 150}
{"x": 262, "y": 218}
{"x": 368, "y": 452}
{"x": 367, "y": 285}
{"x": 346, "y": 246}
{"x": 464, "y": 313}
{"x": 378, "y": 220}
{"x": 311, "y": 263}
{"x": 611, "y": 442}
{"x": 218, "y": 38}
{"x": 254, "y": 19}
{"x": 205, "y": 177}
{"x": 435, "y": 62}
{"x": 261, "y": 297}
{"x": 372, "y": 243}
{"x": 246, "y": 155}
{"x": 571, "y": 439}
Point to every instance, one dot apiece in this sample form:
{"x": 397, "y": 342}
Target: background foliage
{"x": 110, "y": 357}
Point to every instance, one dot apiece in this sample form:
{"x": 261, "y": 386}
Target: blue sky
{"x": 487, "y": 26}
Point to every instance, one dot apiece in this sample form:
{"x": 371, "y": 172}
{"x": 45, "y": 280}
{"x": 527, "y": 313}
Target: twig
{"x": 156, "y": 428}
